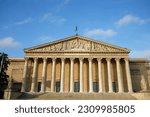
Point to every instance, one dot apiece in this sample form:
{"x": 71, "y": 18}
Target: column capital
{"x": 108, "y": 59}
{"x": 54, "y": 59}
{"x": 26, "y": 58}
{"x": 81, "y": 59}
{"x": 117, "y": 59}
{"x": 126, "y": 59}
{"x": 35, "y": 59}
{"x": 90, "y": 59}
{"x": 45, "y": 59}
{"x": 99, "y": 59}
{"x": 63, "y": 59}
{"x": 72, "y": 59}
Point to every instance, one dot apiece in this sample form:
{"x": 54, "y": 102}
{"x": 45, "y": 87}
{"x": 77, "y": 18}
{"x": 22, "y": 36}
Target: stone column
{"x": 53, "y": 75}
{"x": 100, "y": 81}
{"x": 34, "y": 76}
{"x": 128, "y": 75}
{"x": 81, "y": 75}
{"x": 44, "y": 75}
{"x": 109, "y": 75}
{"x": 24, "y": 79}
{"x": 71, "y": 75}
{"x": 120, "y": 82}
{"x": 62, "y": 74}
{"x": 90, "y": 76}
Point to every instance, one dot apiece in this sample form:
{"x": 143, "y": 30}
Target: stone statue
{"x": 10, "y": 84}
{"x": 143, "y": 84}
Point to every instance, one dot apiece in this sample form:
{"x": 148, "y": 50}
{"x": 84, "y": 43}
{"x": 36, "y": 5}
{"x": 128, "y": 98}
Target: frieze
{"x": 76, "y": 45}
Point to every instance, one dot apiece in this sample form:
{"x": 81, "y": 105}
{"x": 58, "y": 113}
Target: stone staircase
{"x": 84, "y": 96}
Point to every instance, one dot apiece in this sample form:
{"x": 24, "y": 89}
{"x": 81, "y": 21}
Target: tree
{"x": 4, "y": 61}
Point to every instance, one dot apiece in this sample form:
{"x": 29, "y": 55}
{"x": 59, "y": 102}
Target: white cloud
{"x": 25, "y": 21}
{"x": 140, "y": 54}
{"x": 8, "y": 42}
{"x": 128, "y": 19}
{"x": 49, "y": 17}
{"x": 62, "y": 4}
{"x": 100, "y": 32}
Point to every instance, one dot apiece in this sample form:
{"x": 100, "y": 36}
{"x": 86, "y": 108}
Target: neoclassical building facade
{"x": 79, "y": 65}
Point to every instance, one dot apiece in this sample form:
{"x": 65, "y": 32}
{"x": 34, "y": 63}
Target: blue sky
{"x": 26, "y": 23}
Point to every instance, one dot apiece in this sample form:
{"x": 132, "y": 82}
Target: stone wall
{"x": 15, "y": 69}
{"x": 140, "y": 74}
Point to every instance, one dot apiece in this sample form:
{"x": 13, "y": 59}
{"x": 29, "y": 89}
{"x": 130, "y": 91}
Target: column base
{"x": 32, "y": 92}
{"x": 110, "y": 92}
{"x": 81, "y": 91}
{"x": 91, "y": 92}
{"x": 71, "y": 91}
{"x": 23, "y": 90}
{"x": 61, "y": 91}
{"x": 52, "y": 91}
{"x": 42, "y": 91}
{"x": 130, "y": 92}
{"x": 100, "y": 92}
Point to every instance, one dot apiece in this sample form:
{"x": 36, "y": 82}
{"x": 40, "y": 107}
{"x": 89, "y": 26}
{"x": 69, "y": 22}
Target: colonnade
{"x": 90, "y": 79}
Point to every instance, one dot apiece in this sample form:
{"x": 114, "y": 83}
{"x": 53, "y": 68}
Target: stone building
{"x": 79, "y": 64}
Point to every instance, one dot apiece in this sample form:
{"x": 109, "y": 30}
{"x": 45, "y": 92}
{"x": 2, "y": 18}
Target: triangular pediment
{"x": 76, "y": 44}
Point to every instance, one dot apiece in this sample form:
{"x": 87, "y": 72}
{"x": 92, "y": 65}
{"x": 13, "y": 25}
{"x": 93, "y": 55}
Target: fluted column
{"x": 90, "y": 76}
{"x": 34, "y": 76}
{"x": 100, "y": 81}
{"x": 24, "y": 79}
{"x": 109, "y": 75}
{"x": 120, "y": 82}
{"x": 71, "y": 75}
{"x": 129, "y": 81}
{"x": 44, "y": 75}
{"x": 53, "y": 75}
{"x": 62, "y": 75}
{"x": 81, "y": 75}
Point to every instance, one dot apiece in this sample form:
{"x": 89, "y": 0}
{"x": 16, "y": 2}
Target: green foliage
{"x": 4, "y": 61}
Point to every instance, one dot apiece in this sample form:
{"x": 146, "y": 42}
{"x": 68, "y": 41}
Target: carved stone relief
{"x": 77, "y": 45}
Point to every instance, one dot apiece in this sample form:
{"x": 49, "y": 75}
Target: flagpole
{"x": 76, "y": 30}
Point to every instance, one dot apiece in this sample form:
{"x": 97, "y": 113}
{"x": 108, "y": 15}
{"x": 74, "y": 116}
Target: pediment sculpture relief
{"x": 76, "y": 45}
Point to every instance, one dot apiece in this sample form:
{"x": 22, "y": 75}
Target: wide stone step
{"x": 81, "y": 96}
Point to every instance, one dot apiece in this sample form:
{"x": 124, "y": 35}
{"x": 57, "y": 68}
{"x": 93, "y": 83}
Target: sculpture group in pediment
{"x": 76, "y": 45}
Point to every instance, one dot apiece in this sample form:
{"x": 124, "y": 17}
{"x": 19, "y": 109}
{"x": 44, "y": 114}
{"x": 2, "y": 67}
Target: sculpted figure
{"x": 143, "y": 84}
{"x": 10, "y": 83}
